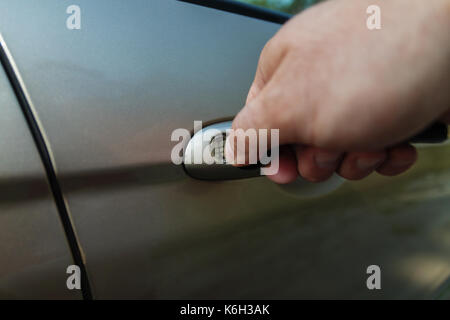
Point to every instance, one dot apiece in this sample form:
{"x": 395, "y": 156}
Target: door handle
{"x": 205, "y": 142}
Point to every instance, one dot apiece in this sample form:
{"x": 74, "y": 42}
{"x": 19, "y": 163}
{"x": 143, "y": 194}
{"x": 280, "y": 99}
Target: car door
{"x": 109, "y": 95}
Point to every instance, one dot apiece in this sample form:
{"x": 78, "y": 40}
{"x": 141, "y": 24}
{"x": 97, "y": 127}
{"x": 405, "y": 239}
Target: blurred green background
{"x": 286, "y": 6}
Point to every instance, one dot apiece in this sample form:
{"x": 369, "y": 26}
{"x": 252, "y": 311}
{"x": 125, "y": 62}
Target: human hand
{"x": 345, "y": 97}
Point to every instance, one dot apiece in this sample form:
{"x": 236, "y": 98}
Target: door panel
{"x": 34, "y": 253}
{"x": 110, "y": 95}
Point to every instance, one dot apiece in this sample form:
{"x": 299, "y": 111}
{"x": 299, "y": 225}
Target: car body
{"x": 87, "y": 176}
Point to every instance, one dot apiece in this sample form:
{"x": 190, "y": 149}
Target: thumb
{"x": 259, "y": 113}
{"x": 273, "y": 109}
{"x": 274, "y": 101}
{"x": 267, "y": 105}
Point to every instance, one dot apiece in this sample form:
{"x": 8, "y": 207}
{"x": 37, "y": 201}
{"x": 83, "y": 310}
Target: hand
{"x": 345, "y": 97}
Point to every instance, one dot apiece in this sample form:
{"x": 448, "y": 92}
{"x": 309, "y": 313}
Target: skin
{"x": 345, "y": 97}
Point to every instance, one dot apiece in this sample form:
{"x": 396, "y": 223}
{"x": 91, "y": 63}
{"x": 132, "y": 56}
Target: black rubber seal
{"x": 49, "y": 169}
{"x": 243, "y": 9}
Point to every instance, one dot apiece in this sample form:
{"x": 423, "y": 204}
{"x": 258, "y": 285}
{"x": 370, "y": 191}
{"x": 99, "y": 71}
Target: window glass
{"x": 285, "y": 6}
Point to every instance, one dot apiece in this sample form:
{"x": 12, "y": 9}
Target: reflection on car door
{"x": 108, "y": 97}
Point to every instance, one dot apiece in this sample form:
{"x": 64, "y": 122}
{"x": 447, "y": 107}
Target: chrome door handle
{"x": 204, "y": 141}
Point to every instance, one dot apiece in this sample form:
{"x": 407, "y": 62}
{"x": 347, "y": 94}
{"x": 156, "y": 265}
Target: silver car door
{"x": 110, "y": 94}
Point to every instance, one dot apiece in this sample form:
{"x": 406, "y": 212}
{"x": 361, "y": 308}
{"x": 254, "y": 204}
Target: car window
{"x": 285, "y": 6}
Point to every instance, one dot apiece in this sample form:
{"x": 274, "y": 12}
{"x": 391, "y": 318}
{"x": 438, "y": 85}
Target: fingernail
{"x": 326, "y": 160}
{"x": 368, "y": 163}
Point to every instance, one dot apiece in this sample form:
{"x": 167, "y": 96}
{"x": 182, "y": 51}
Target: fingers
{"x": 287, "y": 171}
{"x": 399, "y": 159}
{"x": 358, "y": 165}
{"x": 318, "y": 165}
{"x": 315, "y": 164}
